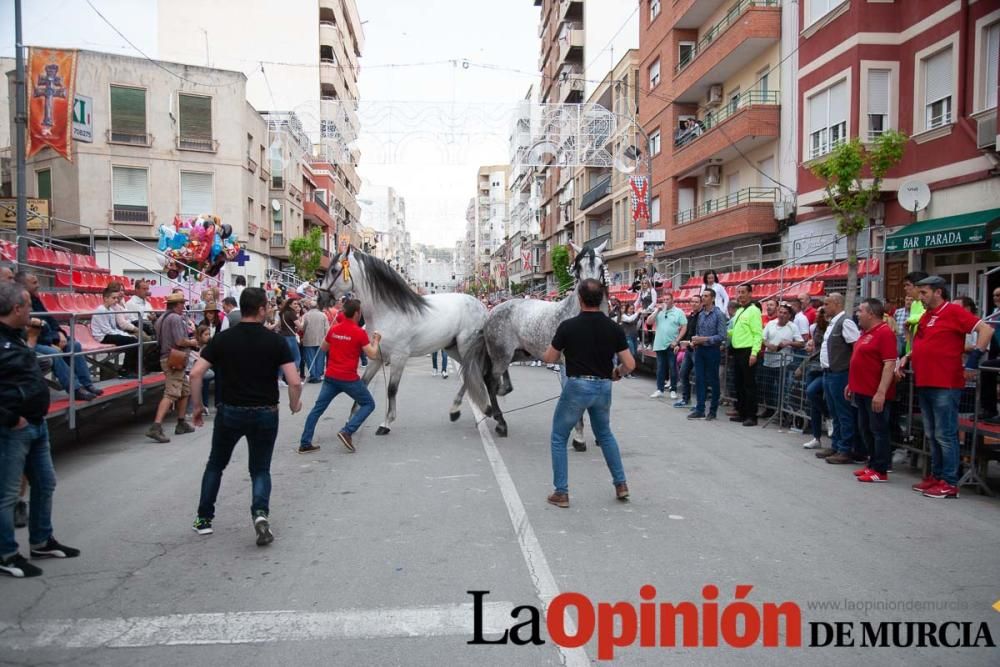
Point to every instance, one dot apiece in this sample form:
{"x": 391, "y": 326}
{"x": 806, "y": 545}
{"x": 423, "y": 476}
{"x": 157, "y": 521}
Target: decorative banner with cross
{"x": 639, "y": 186}
{"x": 50, "y": 86}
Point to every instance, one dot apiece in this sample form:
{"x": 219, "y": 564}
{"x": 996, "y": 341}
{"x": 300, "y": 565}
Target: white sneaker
{"x": 900, "y": 457}
{"x": 656, "y": 394}
{"x": 444, "y": 374}
{"x": 829, "y": 427}
{"x": 434, "y": 372}
{"x": 282, "y": 383}
{"x": 812, "y": 444}
{"x": 673, "y": 395}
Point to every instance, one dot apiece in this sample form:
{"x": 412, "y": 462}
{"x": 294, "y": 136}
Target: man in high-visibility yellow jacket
{"x": 746, "y": 335}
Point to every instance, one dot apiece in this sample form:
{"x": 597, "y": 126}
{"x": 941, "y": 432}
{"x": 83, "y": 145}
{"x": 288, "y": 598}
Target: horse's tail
{"x": 476, "y": 369}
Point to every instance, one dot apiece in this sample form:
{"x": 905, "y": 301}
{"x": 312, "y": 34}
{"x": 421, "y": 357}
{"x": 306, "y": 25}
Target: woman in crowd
{"x": 289, "y": 325}
{"x": 813, "y": 381}
{"x": 203, "y": 334}
{"x": 645, "y": 304}
{"x": 629, "y": 322}
{"x": 711, "y": 279}
{"x": 212, "y": 319}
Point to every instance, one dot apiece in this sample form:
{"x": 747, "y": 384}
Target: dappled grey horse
{"x": 411, "y": 325}
{"x": 521, "y": 329}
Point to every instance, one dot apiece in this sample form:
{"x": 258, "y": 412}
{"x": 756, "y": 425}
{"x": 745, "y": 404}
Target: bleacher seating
{"x": 51, "y": 258}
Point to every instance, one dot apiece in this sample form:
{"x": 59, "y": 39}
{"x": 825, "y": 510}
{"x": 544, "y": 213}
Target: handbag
{"x": 177, "y": 360}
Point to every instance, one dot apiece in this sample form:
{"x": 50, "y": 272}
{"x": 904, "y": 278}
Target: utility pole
{"x": 21, "y": 121}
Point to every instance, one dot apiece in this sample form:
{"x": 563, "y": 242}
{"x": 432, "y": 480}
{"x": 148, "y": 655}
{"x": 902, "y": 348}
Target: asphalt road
{"x": 376, "y": 551}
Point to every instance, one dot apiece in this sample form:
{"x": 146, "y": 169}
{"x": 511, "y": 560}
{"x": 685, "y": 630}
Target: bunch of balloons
{"x": 202, "y": 243}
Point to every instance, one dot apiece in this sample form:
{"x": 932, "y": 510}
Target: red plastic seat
{"x": 86, "y": 339}
{"x": 8, "y": 252}
{"x": 51, "y": 302}
{"x": 60, "y": 259}
{"x": 67, "y": 302}
{"x": 35, "y": 256}
{"x": 64, "y": 279}
{"x": 82, "y": 303}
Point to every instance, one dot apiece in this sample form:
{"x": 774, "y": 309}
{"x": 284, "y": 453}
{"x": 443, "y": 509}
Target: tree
{"x": 560, "y": 266}
{"x": 851, "y": 196}
{"x": 306, "y": 253}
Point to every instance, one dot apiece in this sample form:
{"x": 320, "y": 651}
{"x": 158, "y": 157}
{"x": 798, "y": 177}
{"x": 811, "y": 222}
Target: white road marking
{"x": 253, "y": 627}
{"x": 531, "y": 549}
{"x": 474, "y": 474}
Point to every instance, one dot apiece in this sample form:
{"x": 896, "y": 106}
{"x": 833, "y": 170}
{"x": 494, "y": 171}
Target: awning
{"x": 964, "y": 229}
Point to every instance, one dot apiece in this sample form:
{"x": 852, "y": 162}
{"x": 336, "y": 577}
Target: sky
{"x": 426, "y": 128}
{"x": 444, "y": 120}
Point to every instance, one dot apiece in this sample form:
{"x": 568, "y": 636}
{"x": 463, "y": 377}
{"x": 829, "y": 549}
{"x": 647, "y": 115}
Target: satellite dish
{"x": 275, "y": 204}
{"x": 914, "y": 196}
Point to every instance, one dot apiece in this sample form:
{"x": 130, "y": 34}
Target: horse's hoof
{"x": 580, "y": 445}
{"x": 501, "y": 430}
{"x": 381, "y": 430}
{"x": 454, "y": 416}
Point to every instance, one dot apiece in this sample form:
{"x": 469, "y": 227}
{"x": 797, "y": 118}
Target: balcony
{"x": 571, "y": 90}
{"x": 200, "y": 145}
{"x": 740, "y": 126}
{"x": 746, "y": 213}
{"x": 570, "y": 42}
{"x": 570, "y": 9}
{"x": 122, "y": 213}
{"x": 316, "y": 211}
{"x": 746, "y": 31}
{"x": 692, "y": 14}
{"x": 129, "y": 138}
{"x": 595, "y": 194}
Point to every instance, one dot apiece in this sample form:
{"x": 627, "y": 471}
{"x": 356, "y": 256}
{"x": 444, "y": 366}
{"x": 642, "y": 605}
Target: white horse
{"x": 521, "y": 329}
{"x": 411, "y": 325}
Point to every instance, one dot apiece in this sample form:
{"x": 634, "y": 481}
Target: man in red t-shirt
{"x": 870, "y": 382}
{"x": 937, "y": 371}
{"x": 344, "y": 344}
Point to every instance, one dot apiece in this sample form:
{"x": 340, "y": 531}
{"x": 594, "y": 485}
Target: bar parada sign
{"x": 936, "y": 239}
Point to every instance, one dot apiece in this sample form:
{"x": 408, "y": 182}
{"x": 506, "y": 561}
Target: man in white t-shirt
{"x": 798, "y": 317}
{"x": 781, "y": 336}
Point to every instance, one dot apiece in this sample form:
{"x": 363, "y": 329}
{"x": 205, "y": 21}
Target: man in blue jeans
{"x": 249, "y": 357}
{"x": 24, "y": 440}
{"x": 711, "y": 330}
{"x": 343, "y": 346}
{"x": 671, "y": 323}
{"x": 835, "y": 358}
{"x": 589, "y": 343}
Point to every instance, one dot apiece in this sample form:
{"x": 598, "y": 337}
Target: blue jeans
{"x": 444, "y": 361}
{"x": 706, "y": 376}
{"x": 594, "y": 398}
{"x": 844, "y": 414}
{"x": 666, "y": 362}
{"x": 260, "y": 426}
{"x": 939, "y": 408}
{"x": 293, "y": 346}
{"x": 315, "y": 359}
{"x": 874, "y": 429}
{"x": 817, "y": 402}
{"x": 633, "y": 344}
{"x": 687, "y": 367}
{"x": 331, "y": 388}
{"x": 61, "y": 369}
{"x": 26, "y": 451}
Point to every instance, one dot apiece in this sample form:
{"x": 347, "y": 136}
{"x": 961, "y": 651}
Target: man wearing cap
{"x": 936, "y": 357}
{"x": 173, "y": 334}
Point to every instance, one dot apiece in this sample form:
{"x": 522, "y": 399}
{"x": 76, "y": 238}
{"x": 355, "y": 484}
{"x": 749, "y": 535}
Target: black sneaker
{"x": 20, "y": 514}
{"x": 308, "y": 449}
{"x": 694, "y": 414}
{"x": 262, "y": 527}
{"x": 202, "y": 526}
{"x": 53, "y": 549}
{"x": 17, "y": 566}
{"x": 710, "y": 417}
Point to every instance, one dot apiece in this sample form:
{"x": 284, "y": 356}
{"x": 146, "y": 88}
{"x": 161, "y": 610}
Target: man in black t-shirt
{"x": 248, "y": 356}
{"x": 589, "y": 343}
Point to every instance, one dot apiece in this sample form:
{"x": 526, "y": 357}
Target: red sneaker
{"x": 927, "y": 483}
{"x": 872, "y": 476}
{"x": 861, "y": 472}
{"x": 942, "y": 490}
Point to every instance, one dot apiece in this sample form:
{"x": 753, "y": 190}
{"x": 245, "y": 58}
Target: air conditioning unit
{"x": 783, "y": 209}
{"x": 713, "y": 175}
{"x": 714, "y": 97}
{"x": 986, "y": 132}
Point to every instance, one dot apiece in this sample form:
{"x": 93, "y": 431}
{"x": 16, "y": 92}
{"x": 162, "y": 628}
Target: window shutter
{"x": 195, "y": 117}
{"x": 838, "y": 103}
{"x": 128, "y": 110}
{"x": 128, "y": 186}
{"x": 992, "y": 63}
{"x": 196, "y": 193}
{"x": 818, "y": 111}
{"x": 878, "y": 92}
{"x": 938, "y": 77}
{"x": 44, "y": 181}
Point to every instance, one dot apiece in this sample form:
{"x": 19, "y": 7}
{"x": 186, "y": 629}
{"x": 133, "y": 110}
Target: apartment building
{"x": 492, "y": 213}
{"x": 166, "y": 140}
{"x": 929, "y": 70}
{"x": 717, "y": 101}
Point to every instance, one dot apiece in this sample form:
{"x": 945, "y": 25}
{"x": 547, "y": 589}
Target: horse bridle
{"x": 344, "y": 265}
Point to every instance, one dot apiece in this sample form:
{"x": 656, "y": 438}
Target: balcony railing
{"x": 713, "y": 118}
{"x": 277, "y": 182}
{"x": 129, "y": 138}
{"x": 712, "y": 33}
{"x": 319, "y": 202}
{"x": 203, "y": 145}
{"x": 121, "y": 213}
{"x": 596, "y": 193}
{"x": 745, "y": 196}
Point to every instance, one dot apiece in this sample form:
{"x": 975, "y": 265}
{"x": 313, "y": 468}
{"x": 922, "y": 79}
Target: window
{"x": 195, "y": 122}
{"x": 654, "y": 73}
{"x": 764, "y": 81}
{"x": 277, "y": 231}
{"x": 878, "y": 102}
{"x": 654, "y": 9}
{"x": 43, "y": 183}
{"x": 938, "y": 89}
{"x": 128, "y": 116}
{"x": 827, "y": 119}
{"x": 654, "y": 142}
{"x": 685, "y": 53}
{"x": 654, "y": 210}
{"x": 733, "y": 186}
{"x": 129, "y": 194}
{"x": 765, "y": 170}
{"x": 734, "y": 101}
{"x": 991, "y": 39}
{"x": 820, "y": 8}
{"x": 196, "y": 193}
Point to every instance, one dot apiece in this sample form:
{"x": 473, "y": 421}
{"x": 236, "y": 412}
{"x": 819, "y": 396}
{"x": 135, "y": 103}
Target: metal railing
{"x": 738, "y": 198}
{"x": 598, "y": 192}
{"x": 713, "y": 33}
{"x": 130, "y": 214}
{"x": 748, "y": 99}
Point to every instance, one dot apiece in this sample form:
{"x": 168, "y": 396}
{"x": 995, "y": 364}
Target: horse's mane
{"x": 386, "y": 284}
